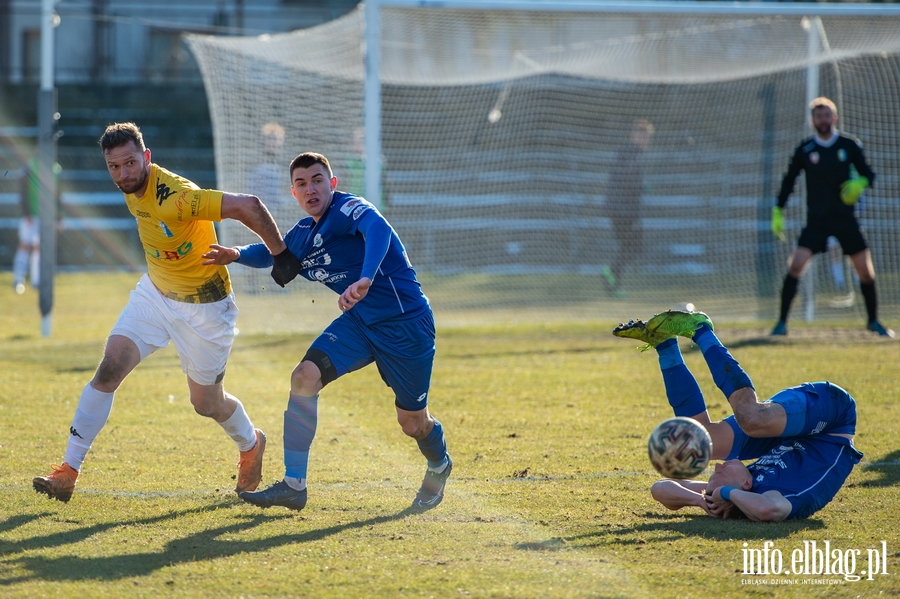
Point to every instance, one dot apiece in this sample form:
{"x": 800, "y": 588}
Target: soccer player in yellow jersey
{"x": 179, "y": 300}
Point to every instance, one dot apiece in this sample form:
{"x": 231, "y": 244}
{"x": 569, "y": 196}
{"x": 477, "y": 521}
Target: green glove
{"x": 851, "y": 189}
{"x": 777, "y": 223}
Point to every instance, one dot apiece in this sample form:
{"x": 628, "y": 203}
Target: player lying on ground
{"x": 801, "y": 439}
{"x": 347, "y": 245}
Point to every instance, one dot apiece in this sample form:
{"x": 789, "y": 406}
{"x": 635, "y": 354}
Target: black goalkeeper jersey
{"x": 827, "y": 167}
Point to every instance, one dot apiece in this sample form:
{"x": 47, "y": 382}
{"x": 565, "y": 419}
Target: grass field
{"x": 547, "y": 424}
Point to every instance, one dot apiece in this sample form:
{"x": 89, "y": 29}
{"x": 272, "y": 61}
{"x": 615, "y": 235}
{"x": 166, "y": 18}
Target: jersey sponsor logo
{"x": 142, "y": 214}
{"x": 348, "y": 207}
{"x": 323, "y": 276}
{"x": 842, "y": 155}
{"x": 814, "y": 157}
{"x": 359, "y": 211}
{"x": 163, "y": 192}
{"x": 177, "y": 254}
{"x": 165, "y": 229}
{"x": 317, "y": 240}
{"x": 314, "y": 261}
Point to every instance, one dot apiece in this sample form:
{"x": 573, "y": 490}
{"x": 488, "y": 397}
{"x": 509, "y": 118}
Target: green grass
{"x": 547, "y": 425}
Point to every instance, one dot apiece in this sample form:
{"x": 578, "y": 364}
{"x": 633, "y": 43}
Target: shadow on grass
{"x": 201, "y": 546}
{"x": 886, "y": 470}
{"x": 663, "y": 528}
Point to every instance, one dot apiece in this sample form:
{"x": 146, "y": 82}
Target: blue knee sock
{"x": 726, "y": 372}
{"x": 434, "y": 446}
{"x": 682, "y": 390}
{"x": 300, "y": 421}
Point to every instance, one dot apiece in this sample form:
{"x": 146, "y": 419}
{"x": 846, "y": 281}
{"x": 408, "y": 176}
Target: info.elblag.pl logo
{"x": 816, "y": 559}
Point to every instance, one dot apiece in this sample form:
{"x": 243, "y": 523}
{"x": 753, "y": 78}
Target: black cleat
{"x": 431, "y": 493}
{"x": 280, "y": 494}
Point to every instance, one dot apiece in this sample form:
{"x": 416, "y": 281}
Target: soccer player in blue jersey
{"x": 346, "y": 244}
{"x": 832, "y": 190}
{"x": 801, "y": 439}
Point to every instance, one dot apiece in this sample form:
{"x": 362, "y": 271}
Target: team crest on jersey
{"x": 317, "y": 241}
{"x": 842, "y": 155}
{"x": 814, "y": 157}
{"x": 319, "y": 274}
{"x": 350, "y": 205}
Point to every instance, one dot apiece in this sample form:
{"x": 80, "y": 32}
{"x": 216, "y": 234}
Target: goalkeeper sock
{"x": 300, "y": 422}
{"x": 871, "y": 298}
{"x": 682, "y": 390}
{"x": 90, "y": 417}
{"x": 726, "y": 372}
{"x": 788, "y": 291}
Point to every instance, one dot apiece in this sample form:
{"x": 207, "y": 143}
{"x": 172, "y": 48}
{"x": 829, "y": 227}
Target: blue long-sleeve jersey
{"x": 352, "y": 240}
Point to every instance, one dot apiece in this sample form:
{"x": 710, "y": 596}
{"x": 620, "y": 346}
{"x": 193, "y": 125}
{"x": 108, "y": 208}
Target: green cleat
{"x": 678, "y": 322}
{"x": 637, "y": 329}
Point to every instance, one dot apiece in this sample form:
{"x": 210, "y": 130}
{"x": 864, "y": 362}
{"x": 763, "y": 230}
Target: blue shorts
{"x": 402, "y": 348}
{"x": 814, "y": 408}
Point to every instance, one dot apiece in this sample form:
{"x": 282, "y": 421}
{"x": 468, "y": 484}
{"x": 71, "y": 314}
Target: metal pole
{"x": 47, "y": 117}
{"x": 808, "y": 284}
{"x": 372, "y": 103}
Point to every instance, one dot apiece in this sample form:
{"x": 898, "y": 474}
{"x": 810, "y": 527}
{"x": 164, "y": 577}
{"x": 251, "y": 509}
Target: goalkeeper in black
{"x": 837, "y": 174}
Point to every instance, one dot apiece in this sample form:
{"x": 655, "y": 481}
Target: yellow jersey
{"x": 175, "y": 223}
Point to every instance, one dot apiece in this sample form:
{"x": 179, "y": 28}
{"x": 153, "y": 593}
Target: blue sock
{"x": 434, "y": 446}
{"x": 300, "y": 421}
{"x": 726, "y": 372}
{"x": 682, "y": 390}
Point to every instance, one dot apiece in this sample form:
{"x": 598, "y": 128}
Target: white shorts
{"x": 30, "y": 231}
{"x": 202, "y": 333}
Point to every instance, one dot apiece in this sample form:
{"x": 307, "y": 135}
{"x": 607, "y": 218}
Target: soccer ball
{"x": 679, "y": 448}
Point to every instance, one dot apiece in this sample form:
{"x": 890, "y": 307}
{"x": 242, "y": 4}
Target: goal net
{"x": 530, "y": 157}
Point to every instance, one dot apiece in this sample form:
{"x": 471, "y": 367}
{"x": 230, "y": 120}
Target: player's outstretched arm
{"x": 770, "y": 506}
{"x": 250, "y": 211}
{"x": 676, "y": 494}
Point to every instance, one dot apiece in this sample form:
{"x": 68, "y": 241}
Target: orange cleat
{"x": 250, "y": 466}
{"x": 59, "y": 484}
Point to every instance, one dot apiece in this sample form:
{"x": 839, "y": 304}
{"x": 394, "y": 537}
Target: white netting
{"x": 500, "y": 135}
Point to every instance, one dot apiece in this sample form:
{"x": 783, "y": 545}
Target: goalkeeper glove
{"x": 777, "y": 223}
{"x": 851, "y": 189}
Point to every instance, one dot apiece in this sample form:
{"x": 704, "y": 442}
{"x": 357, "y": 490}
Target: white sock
{"x": 91, "y": 415}
{"x": 297, "y": 484}
{"x": 240, "y": 428}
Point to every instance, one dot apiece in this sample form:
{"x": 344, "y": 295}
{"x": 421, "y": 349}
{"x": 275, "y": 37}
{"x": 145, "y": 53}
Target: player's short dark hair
{"x": 306, "y": 160}
{"x": 119, "y": 134}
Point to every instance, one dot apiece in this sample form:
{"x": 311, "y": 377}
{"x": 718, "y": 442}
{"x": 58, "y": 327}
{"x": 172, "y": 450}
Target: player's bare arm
{"x": 770, "y": 506}
{"x": 676, "y": 494}
{"x": 249, "y": 210}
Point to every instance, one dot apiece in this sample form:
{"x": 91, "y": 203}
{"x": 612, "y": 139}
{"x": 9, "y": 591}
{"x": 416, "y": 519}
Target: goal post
{"x": 489, "y": 133}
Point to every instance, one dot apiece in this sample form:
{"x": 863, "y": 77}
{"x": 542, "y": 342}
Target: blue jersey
{"x": 809, "y": 467}
{"x": 350, "y": 241}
